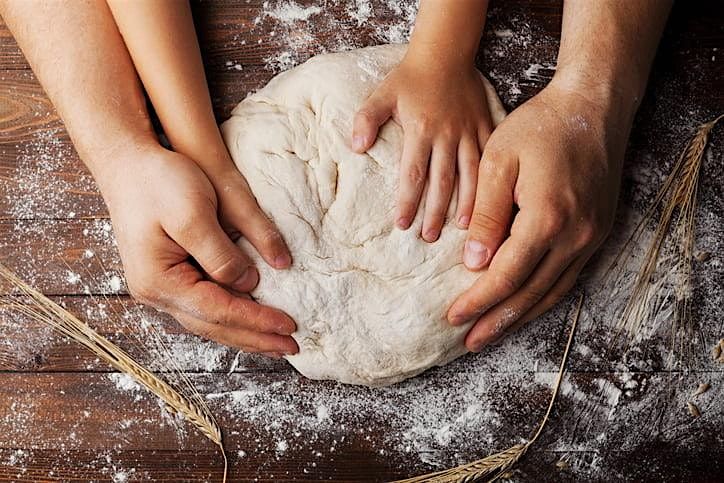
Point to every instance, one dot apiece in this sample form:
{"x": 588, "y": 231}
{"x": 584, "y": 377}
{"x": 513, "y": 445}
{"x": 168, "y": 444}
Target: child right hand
{"x": 165, "y": 211}
{"x": 444, "y": 115}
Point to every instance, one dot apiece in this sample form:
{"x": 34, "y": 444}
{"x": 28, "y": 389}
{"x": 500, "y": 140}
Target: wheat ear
{"x": 42, "y": 309}
{"x": 676, "y": 201}
{"x": 496, "y": 465}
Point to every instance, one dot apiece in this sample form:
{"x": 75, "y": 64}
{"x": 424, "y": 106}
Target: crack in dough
{"x": 369, "y": 300}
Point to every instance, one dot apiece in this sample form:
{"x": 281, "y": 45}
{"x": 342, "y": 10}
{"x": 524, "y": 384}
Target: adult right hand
{"x": 164, "y": 212}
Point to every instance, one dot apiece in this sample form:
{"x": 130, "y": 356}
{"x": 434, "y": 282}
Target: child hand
{"x": 164, "y": 210}
{"x": 558, "y": 158}
{"x": 444, "y": 114}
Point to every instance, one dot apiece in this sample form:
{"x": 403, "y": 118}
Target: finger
{"x": 182, "y": 289}
{"x": 468, "y": 161}
{"x": 497, "y": 175}
{"x": 441, "y": 181}
{"x": 413, "y": 172}
{"x": 513, "y": 263}
{"x": 484, "y": 131}
{"x": 203, "y": 238}
{"x": 564, "y": 285}
{"x": 251, "y": 221}
{"x": 494, "y": 323}
{"x": 375, "y": 111}
{"x": 249, "y": 341}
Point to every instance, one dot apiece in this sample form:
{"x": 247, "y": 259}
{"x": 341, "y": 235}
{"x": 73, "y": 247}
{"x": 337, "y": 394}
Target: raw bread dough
{"x": 369, "y": 300}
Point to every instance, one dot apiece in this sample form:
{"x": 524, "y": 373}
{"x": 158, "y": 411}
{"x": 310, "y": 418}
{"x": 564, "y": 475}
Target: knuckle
{"x": 587, "y": 234}
{"x": 423, "y": 126}
{"x": 505, "y": 283}
{"x": 271, "y": 238}
{"x": 226, "y": 268}
{"x": 484, "y": 222}
{"x": 552, "y": 223}
{"x": 415, "y": 174}
{"x": 532, "y": 296}
{"x": 365, "y": 115}
{"x": 446, "y": 179}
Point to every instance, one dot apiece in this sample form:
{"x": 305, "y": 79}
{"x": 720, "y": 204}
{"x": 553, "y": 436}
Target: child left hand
{"x": 444, "y": 115}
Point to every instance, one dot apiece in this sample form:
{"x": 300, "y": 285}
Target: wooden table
{"x": 64, "y": 415}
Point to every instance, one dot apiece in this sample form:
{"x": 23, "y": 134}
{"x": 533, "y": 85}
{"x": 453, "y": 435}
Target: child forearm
{"x": 448, "y": 32}
{"x": 161, "y": 39}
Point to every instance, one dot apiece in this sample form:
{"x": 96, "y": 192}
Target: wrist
{"x": 112, "y": 165}
{"x": 611, "y": 95}
{"x": 441, "y": 57}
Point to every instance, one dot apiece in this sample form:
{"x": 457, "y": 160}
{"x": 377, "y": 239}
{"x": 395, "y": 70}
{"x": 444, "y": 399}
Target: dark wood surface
{"x": 65, "y": 416}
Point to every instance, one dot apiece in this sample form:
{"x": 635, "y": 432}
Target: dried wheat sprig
{"x": 42, "y": 309}
{"x": 677, "y": 201}
{"x": 495, "y": 465}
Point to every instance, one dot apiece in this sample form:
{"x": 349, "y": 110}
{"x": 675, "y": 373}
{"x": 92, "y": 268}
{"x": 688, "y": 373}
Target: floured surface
{"x": 369, "y": 299}
{"x": 618, "y": 418}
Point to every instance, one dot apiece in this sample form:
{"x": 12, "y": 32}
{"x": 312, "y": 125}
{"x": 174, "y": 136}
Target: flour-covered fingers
{"x": 273, "y": 345}
{"x": 413, "y": 174}
{"x": 441, "y": 183}
{"x": 514, "y": 261}
{"x": 494, "y": 323}
{"x": 467, "y": 164}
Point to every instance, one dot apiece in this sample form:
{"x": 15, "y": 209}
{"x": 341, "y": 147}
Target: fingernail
{"x": 247, "y": 281}
{"x": 286, "y": 328}
{"x": 475, "y": 254}
{"x": 477, "y": 347}
{"x": 282, "y": 261}
{"x": 358, "y": 143}
{"x": 431, "y": 235}
{"x": 403, "y": 223}
{"x": 464, "y": 221}
{"x": 457, "y": 319}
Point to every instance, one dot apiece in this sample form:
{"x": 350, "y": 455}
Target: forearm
{"x": 78, "y": 56}
{"x": 448, "y": 31}
{"x": 607, "y": 46}
{"x": 162, "y": 41}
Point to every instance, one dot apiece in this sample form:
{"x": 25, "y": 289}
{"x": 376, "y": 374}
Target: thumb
{"x": 375, "y": 111}
{"x": 204, "y": 239}
{"x": 492, "y": 212}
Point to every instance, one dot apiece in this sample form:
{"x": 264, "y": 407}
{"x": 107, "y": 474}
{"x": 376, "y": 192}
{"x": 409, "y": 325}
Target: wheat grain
{"x": 703, "y": 387}
{"x": 40, "y": 308}
{"x": 495, "y": 466}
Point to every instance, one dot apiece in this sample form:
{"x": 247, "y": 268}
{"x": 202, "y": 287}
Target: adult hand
{"x": 164, "y": 211}
{"x": 444, "y": 115}
{"x": 558, "y": 158}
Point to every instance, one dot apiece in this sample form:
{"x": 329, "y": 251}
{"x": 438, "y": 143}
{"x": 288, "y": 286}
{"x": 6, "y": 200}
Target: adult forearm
{"x": 448, "y": 31}
{"x": 607, "y": 46}
{"x": 78, "y": 56}
{"x": 164, "y": 29}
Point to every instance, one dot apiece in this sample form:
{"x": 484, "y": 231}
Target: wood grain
{"x": 62, "y": 418}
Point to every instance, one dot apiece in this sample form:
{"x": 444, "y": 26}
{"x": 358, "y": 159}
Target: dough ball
{"x": 369, "y": 299}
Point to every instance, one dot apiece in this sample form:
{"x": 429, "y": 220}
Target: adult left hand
{"x": 558, "y": 159}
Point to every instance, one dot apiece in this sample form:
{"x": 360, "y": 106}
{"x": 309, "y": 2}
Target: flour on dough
{"x": 369, "y": 300}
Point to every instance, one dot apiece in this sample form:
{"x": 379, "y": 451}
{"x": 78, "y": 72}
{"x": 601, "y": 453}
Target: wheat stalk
{"x": 494, "y": 466}
{"x": 42, "y": 309}
{"x": 676, "y": 201}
